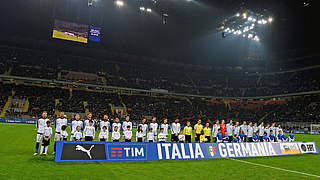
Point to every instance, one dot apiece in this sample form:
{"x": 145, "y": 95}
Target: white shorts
{"x": 57, "y": 137}
{"x": 39, "y": 138}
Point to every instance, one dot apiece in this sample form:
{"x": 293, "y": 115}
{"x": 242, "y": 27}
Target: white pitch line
{"x": 292, "y": 171}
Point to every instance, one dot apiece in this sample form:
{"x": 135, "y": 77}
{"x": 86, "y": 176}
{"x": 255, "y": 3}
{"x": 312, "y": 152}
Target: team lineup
{"x": 85, "y": 130}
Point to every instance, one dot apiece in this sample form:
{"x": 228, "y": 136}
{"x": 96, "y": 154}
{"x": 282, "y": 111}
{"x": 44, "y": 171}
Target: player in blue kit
{"x": 279, "y": 136}
{"x": 284, "y": 137}
{"x": 235, "y": 139}
{"x": 265, "y": 137}
{"x": 271, "y": 137}
{"x": 255, "y": 137}
{"x": 241, "y": 136}
{"x": 219, "y": 136}
{"x": 291, "y": 136}
{"x": 225, "y": 138}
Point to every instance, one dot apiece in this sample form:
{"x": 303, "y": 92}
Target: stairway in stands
{"x": 6, "y": 106}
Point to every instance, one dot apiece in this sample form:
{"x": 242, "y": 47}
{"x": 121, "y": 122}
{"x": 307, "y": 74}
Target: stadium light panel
{"x": 270, "y": 19}
{"x": 244, "y": 15}
{"x": 238, "y": 14}
{"x": 149, "y": 10}
{"x": 119, "y": 3}
{"x": 142, "y": 8}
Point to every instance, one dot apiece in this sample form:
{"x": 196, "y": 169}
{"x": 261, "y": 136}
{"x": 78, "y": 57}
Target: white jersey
{"x": 89, "y": 131}
{"x": 128, "y": 134}
{"x": 215, "y": 130}
{"x": 64, "y": 135}
{"x": 267, "y": 130}
{"x": 154, "y": 127}
{"x": 47, "y": 131}
{"x": 175, "y": 128}
{"x": 116, "y": 124}
{"x": 77, "y": 135}
{"x": 273, "y": 130}
{"x": 86, "y": 122}
{"x": 41, "y": 124}
{"x": 106, "y": 124}
{"x": 125, "y": 124}
{"x": 181, "y": 137}
{"x": 236, "y": 130}
{"x": 162, "y": 137}
{"x": 250, "y": 131}
{"x": 59, "y": 123}
{"x": 144, "y": 128}
{"x": 229, "y": 128}
{"x": 115, "y": 135}
{"x": 150, "y": 136}
{"x": 244, "y": 128}
{"x": 255, "y": 129}
{"x": 75, "y": 124}
{"x": 261, "y": 130}
{"x": 165, "y": 128}
{"x": 104, "y": 135}
{"x": 140, "y": 135}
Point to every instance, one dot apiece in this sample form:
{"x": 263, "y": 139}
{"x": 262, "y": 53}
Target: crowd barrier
{"x": 134, "y": 151}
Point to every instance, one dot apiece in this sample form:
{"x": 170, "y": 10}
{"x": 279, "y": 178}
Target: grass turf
{"x": 18, "y": 162}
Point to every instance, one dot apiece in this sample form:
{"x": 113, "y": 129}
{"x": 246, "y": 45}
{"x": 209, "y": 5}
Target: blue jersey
{"x": 235, "y": 140}
{"x": 279, "y": 136}
{"x": 265, "y": 138}
{"x": 284, "y": 137}
{"x": 219, "y": 136}
{"x": 255, "y": 138}
{"x": 291, "y": 136}
{"x": 241, "y": 136}
{"x": 225, "y": 138}
{"x": 271, "y": 137}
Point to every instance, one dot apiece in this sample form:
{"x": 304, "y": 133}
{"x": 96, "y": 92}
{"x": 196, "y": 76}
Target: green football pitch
{"x": 17, "y": 162}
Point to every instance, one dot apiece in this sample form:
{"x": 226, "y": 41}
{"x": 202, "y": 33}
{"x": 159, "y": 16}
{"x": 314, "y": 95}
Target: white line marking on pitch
{"x": 292, "y": 171}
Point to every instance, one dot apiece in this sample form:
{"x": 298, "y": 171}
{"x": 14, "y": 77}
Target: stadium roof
{"x": 190, "y": 34}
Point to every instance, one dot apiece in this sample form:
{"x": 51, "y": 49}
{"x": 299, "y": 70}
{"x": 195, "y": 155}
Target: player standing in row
{"x": 154, "y": 126}
{"x": 74, "y": 124}
{"x": 125, "y": 125}
{"x": 278, "y": 131}
{"x": 197, "y": 131}
{"x": 250, "y": 132}
{"x": 255, "y": 128}
{"x": 215, "y": 131}
{"x": 40, "y": 124}
{"x": 229, "y": 128}
{"x": 116, "y": 123}
{"x": 46, "y": 138}
{"x": 61, "y": 121}
{"x": 144, "y": 127}
{"x": 89, "y": 132}
{"x": 165, "y": 127}
{"x": 175, "y": 130}
{"x": 86, "y": 122}
{"x": 105, "y": 122}
{"x": 244, "y": 128}
{"x": 140, "y": 136}
{"x": 236, "y": 129}
{"x": 261, "y": 131}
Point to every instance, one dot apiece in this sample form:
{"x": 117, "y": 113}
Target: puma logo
{"x": 81, "y": 148}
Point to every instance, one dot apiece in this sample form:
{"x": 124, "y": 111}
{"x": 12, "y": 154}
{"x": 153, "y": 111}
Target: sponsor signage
{"x": 122, "y": 151}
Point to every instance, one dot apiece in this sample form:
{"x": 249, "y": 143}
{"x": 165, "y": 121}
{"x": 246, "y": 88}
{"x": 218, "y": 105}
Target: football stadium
{"x": 159, "y": 89}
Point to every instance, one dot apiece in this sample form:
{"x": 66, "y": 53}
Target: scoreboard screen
{"x": 70, "y": 31}
{"x": 94, "y": 34}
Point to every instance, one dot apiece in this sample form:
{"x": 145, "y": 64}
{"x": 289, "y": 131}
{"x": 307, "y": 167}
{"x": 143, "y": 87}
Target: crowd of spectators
{"x": 162, "y": 75}
{"x": 293, "y": 109}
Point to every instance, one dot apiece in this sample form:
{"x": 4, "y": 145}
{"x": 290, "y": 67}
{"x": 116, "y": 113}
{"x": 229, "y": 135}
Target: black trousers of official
{"x": 174, "y": 138}
{"x": 140, "y": 139}
{"x": 261, "y": 138}
{"x": 188, "y": 138}
{"x": 230, "y": 138}
{"x": 208, "y": 139}
{"x": 197, "y": 138}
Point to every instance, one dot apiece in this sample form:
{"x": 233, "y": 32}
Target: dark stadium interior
{"x": 180, "y": 69}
